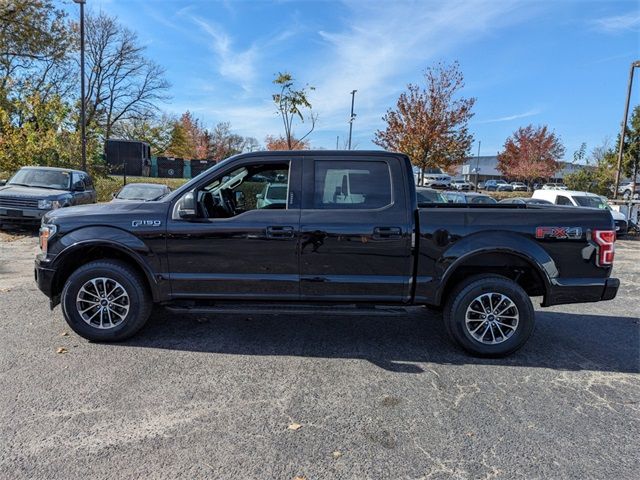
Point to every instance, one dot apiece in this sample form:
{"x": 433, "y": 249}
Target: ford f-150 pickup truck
{"x": 349, "y": 236}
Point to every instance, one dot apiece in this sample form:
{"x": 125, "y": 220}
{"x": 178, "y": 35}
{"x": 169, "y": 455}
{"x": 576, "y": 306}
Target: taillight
{"x": 606, "y": 249}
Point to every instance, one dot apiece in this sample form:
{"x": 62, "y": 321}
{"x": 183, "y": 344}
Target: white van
{"x": 573, "y": 198}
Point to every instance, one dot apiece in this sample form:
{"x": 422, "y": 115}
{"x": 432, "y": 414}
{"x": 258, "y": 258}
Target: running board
{"x": 270, "y": 309}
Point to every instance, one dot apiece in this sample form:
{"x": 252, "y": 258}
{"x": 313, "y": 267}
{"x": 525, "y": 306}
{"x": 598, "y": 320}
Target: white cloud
{"x": 618, "y": 23}
{"x": 508, "y": 118}
{"x": 385, "y": 45}
{"x": 236, "y": 65}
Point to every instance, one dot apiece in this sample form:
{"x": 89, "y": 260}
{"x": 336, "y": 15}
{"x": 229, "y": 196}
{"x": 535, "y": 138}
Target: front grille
{"x": 18, "y": 202}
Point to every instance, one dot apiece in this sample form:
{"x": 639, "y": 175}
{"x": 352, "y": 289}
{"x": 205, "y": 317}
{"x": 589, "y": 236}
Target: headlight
{"x": 46, "y": 232}
{"x": 48, "y": 204}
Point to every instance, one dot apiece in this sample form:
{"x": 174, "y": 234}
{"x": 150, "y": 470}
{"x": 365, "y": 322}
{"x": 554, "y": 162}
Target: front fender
{"x": 78, "y": 241}
{"x": 495, "y": 242}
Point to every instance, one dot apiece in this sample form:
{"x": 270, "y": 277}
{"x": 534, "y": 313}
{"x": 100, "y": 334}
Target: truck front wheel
{"x": 489, "y": 316}
{"x": 105, "y": 300}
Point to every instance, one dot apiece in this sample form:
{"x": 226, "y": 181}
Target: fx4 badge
{"x": 560, "y": 233}
{"x": 146, "y": 223}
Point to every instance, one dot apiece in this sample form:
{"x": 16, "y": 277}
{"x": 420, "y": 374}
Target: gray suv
{"x": 33, "y": 191}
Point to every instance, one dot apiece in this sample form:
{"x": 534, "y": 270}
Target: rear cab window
{"x": 364, "y": 185}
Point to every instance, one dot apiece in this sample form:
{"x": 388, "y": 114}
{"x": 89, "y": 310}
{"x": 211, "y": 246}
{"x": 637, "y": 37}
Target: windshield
{"x": 454, "y": 197}
{"x": 430, "y": 196}
{"x": 483, "y": 199}
{"x": 35, "y": 177}
{"x": 277, "y": 192}
{"x": 141, "y": 192}
{"x": 591, "y": 202}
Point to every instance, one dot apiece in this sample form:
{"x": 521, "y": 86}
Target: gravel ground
{"x": 214, "y": 397}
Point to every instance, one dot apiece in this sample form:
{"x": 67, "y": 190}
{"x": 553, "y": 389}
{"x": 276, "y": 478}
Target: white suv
{"x": 574, "y": 198}
{"x": 436, "y": 178}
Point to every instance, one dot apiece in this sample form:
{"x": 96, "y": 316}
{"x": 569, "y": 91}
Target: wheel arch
{"x": 526, "y": 270}
{"x": 81, "y": 253}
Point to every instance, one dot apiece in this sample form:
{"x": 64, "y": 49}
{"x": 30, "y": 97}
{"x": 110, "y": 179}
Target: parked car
{"x": 497, "y": 186}
{"x": 33, "y": 191}
{"x": 428, "y": 196}
{"x": 626, "y": 188}
{"x": 109, "y": 263}
{"x": 461, "y": 185}
{"x": 455, "y": 197}
{"x": 519, "y": 187}
{"x": 526, "y": 201}
{"x": 554, "y": 186}
{"x": 573, "y": 198}
{"x": 436, "y": 178}
{"x": 273, "y": 195}
{"x": 144, "y": 192}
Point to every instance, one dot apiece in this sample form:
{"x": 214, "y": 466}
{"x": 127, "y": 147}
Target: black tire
{"x": 138, "y": 301}
{"x": 462, "y": 298}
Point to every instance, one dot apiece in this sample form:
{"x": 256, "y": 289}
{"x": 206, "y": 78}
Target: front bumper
{"x": 21, "y": 215}
{"x": 44, "y": 276}
{"x": 580, "y": 290}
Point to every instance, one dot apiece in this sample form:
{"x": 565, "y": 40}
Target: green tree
{"x": 597, "y": 175}
{"x": 180, "y": 146}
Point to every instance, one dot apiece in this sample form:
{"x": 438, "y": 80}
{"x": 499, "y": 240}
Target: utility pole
{"x": 623, "y": 131}
{"x": 478, "y": 164}
{"x": 82, "y": 99}
{"x": 353, "y": 116}
{"x": 337, "y": 141}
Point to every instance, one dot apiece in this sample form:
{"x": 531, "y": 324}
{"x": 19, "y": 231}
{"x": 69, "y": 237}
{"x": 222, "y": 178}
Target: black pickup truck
{"x": 346, "y": 235}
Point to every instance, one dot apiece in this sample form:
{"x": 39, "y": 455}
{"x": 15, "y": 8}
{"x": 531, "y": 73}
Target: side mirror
{"x": 187, "y": 206}
{"x": 78, "y": 186}
{"x": 3, "y": 183}
{"x": 113, "y": 195}
{"x": 259, "y": 196}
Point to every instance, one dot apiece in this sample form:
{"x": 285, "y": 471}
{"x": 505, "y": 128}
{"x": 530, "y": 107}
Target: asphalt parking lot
{"x": 214, "y": 397}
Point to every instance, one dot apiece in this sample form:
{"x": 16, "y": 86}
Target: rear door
{"x": 355, "y": 229}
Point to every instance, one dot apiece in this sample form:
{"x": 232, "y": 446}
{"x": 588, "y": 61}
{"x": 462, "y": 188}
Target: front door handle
{"x": 280, "y": 232}
{"x": 387, "y": 232}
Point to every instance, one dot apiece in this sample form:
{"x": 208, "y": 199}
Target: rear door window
{"x": 352, "y": 185}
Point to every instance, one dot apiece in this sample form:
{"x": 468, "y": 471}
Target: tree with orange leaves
{"x": 531, "y": 153}
{"x": 281, "y": 143}
{"x": 430, "y": 124}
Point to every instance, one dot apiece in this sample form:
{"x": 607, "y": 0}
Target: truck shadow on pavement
{"x": 562, "y": 341}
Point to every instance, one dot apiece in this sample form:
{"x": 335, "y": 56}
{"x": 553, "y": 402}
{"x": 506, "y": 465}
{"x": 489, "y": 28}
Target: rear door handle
{"x": 387, "y": 232}
{"x": 280, "y": 232}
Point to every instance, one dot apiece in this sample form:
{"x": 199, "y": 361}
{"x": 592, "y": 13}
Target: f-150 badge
{"x": 146, "y": 223}
{"x": 560, "y": 233}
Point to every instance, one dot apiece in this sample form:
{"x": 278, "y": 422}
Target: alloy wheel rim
{"x": 103, "y": 303}
{"x": 492, "y": 318}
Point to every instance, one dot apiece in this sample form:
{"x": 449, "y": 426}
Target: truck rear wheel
{"x": 105, "y": 300}
{"x": 489, "y": 316}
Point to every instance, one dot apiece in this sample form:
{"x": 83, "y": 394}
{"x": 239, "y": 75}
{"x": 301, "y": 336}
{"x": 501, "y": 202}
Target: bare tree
{"x": 123, "y": 84}
{"x": 292, "y": 104}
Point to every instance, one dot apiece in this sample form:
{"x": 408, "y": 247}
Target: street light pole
{"x": 82, "y": 99}
{"x": 478, "y": 164}
{"x": 623, "y": 131}
{"x": 353, "y": 117}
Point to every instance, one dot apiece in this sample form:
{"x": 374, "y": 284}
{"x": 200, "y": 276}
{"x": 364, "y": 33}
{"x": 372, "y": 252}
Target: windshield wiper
{"x": 19, "y": 184}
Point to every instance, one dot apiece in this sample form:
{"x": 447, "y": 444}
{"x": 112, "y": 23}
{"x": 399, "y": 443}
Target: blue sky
{"x": 562, "y": 63}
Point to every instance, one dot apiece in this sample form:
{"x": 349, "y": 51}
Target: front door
{"x": 355, "y": 230}
{"x": 244, "y": 243}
